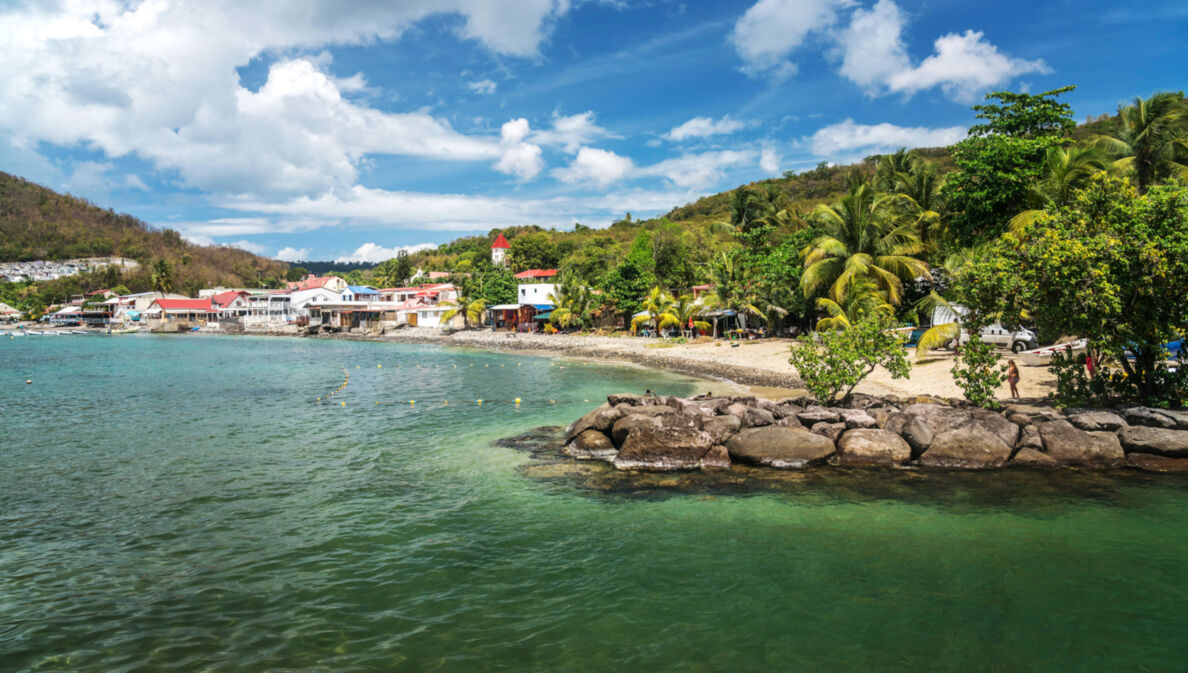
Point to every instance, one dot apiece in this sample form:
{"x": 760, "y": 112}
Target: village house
{"x": 360, "y": 293}
{"x": 193, "y": 311}
{"x": 310, "y": 282}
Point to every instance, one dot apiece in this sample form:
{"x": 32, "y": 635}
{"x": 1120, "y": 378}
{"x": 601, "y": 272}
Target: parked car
{"x": 1017, "y": 340}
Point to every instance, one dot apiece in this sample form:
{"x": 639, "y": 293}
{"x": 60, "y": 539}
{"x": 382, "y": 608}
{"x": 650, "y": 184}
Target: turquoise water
{"x": 186, "y": 503}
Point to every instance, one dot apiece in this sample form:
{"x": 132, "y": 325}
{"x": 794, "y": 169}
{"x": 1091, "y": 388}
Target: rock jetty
{"x": 660, "y": 434}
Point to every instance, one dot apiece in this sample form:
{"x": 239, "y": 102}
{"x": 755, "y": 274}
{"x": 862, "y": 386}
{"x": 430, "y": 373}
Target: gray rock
{"x": 721, "y": 428}
{"x": 717, "y": 458}
{"x": 736, "y": 409}
{"x": 1180, "y": 416}
{"x": 1029, "y": 438}
{"x": 996, "y": 423}
{"x": 1152, "y": 418}
{"x": 625, "y": 425}
{"x": 766, "y": 405}
{"x": 601, "y": 419}
{"x": 663, "y": 449}
{"x": 1094, "y": 421}
{"x": 830, "y": 430}
{"x": 783, "y": 411}
{"x": 780, "y": 447}
{"x": 880, "y": 415}
{"x": 817, "y": 414}
{"x": 677, "y": 421}
{"x": 757, "y": 418}
{"x": 864, "y": 446}
{"x": 694, "y": 411}
{"x": 1021, "y": 420}
{"x": 632, "y": 399}
{"x": 863, "y": 402}
{"x": 590, "y": 445}
{"x": 1072, "y": 446}
{"x": 971, "y": 447}
{"x": 1149, "y": 462}
{"x": 790, "y": 421}
{"x": 1033, "y": 458}
{"x": 647, "y": 410}
{"x": 913, "y": 429}
{"x": 1160, "y": 441}
{"x": 854, "y": 419}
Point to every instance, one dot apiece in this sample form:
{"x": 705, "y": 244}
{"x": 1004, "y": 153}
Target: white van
{"x": 1018, "y": 341}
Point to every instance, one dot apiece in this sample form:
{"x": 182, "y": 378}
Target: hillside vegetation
{"x": 39, "y": 223}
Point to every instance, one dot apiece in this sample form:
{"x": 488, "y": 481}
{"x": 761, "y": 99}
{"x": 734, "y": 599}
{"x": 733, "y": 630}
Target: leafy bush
{"x": 1110, "y": 387}
{"x": 978, "y": 372}
{"x": 846, "y": 357}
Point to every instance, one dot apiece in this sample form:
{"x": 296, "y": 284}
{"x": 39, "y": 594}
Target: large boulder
{"x": 1140, "y": 439}
{"x": 775, "y": 446}
{"x": 855, "y": 419}
{"x": 1149, "y": 462}
{"x": 601, "y": 419}
{"x": 590, "y": 445}
{"x": 817, "y": 414}
{"x": 1097, "y": 421}
{"x": 757, "y": 418}
{"x": 615, "y": 399}
{"x": 997, "y": 424}
{"x": 1034, "y": 458}
{"x": 1029, "y": 438}
{"x": 663, "y": 449}
{"x": 717, "y": 458}
{"x": 1073, "y": 446}
{"x": 647, "y": 410}
{"x": 1153, "y": 418}
{"x": 790, "y": 421}
{"x": 721, "y": 428}
{"x": 863, "y": 446}
{"x": 913, "y": 429}
{"x": 830, "y": 430}
{"x": 970, "y": 447}
{"x": 625, "y": 425}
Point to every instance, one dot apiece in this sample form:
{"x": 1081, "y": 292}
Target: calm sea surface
{"x": 187, "y": 504}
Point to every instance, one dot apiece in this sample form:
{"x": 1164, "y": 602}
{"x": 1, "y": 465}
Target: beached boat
{"x": 123, "y": 329}
{"x": 1042, "y": 356}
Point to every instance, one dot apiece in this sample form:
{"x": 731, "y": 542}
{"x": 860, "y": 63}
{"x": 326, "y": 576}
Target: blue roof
{"x": 542, "y": 307}
{"x": 362, "y": 289}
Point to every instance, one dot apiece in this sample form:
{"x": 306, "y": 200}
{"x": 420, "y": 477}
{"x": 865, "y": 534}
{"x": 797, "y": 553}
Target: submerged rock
{"x": 775, "y": 446}
{"x": 662, "y": 449}
{"x": 873, "y": 447}
{"x": 1072, "y": 446}
{"x": 1149, "y": 462}
{"x": 590, "y": 445}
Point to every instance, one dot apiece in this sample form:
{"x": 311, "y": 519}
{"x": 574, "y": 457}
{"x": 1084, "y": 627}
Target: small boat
{"x": 123, "y": 329}
{"x": 1042, "y": 356}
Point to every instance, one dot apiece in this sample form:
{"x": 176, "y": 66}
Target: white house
{"x": 535, "y": 293}
{"x": 301, "y": 300}
{"x": 360, "y": 293}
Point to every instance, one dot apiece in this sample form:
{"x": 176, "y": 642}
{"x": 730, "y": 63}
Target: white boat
{"x": 123, "y": 329}
{"x": 1042, "y": 356}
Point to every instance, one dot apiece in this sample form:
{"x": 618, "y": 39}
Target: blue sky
{"x": 301, "y": 129}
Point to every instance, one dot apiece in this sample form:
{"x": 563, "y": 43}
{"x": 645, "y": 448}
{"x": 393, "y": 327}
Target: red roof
{"x": 500, "y": 242}
{"x": 310, "y": 283}
{"x": 183, "y": 304}
{"x": 224, "y": 299}
{"x": 537, "y": 273}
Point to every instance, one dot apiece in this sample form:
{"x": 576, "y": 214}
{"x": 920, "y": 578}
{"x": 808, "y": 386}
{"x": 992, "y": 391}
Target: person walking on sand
{"x": 1013, "y": 378}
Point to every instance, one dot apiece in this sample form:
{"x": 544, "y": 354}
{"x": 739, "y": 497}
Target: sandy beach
{"x": 762, "y": 365}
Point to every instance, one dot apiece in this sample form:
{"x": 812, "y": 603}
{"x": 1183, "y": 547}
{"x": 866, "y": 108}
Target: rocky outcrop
{"x": 1161, "y": 441}
{"x": 969, "y": 447}
{"x": 864, "y": 446}
{"x": 657, "y": 433}
{"x": 774, "y": 446}
{"x": 1072, "y": 446}
{"x": 663, "y": 449}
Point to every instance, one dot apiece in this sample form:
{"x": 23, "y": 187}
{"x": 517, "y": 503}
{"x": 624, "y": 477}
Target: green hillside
{"x": 39, "y": 223}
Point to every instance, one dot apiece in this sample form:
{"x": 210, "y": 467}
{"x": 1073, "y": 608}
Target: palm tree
{"x": 1067, "y": 170}
{"x": 863, "y": 299}
{"x": 733, "y": 286}
{"x": 658, "y": 305}
{"x": 162, "y": 277}
{"x": 886, "y": 177}
{"x": 688, "y": 312}
{"x": 865, "y": 235}
{"x": 921, "y": 184}
{"x": 572, "y": 304}
{"x": 942, "y": 333}
{"x": 469, "y": 308}
{"x": 1153, "y": 139}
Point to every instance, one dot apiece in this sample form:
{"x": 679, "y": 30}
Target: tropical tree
{"x": 733, "y": 286}
{"x": 658, "y": 307}
{"x": 891, "y": 166}
{"x": 863, "y": 299}
{"x": 1152, "y": 142}
{"x": 921, "y": 184}
{"x": 688, "y": 312}
{"x": 469, "y": 308}
{"x": 1068, "y": 169}
{"x": 162, "y": 278}
{"x": 394, "y": 272}
{"x": 866, "y": 235}
{"x": 573, "y": 304}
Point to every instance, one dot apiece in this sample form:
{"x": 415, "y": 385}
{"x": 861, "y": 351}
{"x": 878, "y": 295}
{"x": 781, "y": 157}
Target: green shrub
{"x": 978, "y": 372}
{"x": 846, "y": 357}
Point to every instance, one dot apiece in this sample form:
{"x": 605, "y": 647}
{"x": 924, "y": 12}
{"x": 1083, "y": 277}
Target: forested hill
{"x": 39, "y": 223}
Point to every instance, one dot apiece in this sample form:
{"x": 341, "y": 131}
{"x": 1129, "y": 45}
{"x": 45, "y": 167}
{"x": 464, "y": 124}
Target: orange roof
{"x": 224, "y": 299}
{"x": 310, "y": 283}
{"x": 183, "y": 304}
{"x": 537, "y": 273}
{"x": 500, "y": 242}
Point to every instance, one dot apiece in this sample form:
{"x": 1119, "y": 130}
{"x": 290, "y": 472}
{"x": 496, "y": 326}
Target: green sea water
{"x": 188, "y": 504}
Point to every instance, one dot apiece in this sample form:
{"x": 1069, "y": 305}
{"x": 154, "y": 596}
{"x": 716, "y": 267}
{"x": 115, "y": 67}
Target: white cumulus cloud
{"x": 771, "y": 30}
{"x": 597, "y": 166}
{"x": 698, "y": 171}
{"x": 374, "y": 253}
{"x": 702, "y": 127}
{"x": 769, "y": 161}
{"x": 572, "y": 131}
{"x": 291, "y": 254}
{"x": 874, "y": 56}
{"x": 254, "y": 248}
{"x": 848, "y": 136}
{"x": 517, "y": 157}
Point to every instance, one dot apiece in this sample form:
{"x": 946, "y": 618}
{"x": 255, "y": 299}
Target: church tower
{"x": 499, "y": 251}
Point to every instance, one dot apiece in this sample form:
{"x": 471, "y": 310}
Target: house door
{"x": 412, "y": 319}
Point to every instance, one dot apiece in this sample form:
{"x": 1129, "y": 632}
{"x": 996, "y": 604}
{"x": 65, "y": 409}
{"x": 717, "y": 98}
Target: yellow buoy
{"x": 379, "y": 366}
{"x": 517, "y": 401}
{"x": 480, "y": 402}
{"x": 445, "y": 403}
{"x": 342, "y": 403}
{"x": 412, "y": 402}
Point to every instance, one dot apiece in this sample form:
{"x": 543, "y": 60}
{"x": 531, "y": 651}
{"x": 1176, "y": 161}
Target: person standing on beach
{"x": 1013, "y": 378}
